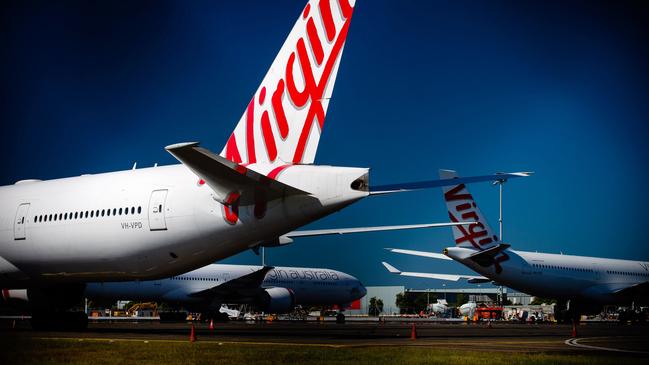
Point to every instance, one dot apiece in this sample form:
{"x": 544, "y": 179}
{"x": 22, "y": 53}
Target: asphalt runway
{"x": 600, "y": 337}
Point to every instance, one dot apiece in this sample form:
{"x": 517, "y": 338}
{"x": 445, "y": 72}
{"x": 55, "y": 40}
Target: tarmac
{"x": 500, "y": 336}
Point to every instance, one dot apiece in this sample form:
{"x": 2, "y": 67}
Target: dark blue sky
{"x": 560, "y": 88}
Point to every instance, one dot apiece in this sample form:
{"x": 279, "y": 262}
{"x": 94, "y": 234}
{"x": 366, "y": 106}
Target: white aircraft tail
{"x": 285, "y": 116}
{"x": 462, "y": 207}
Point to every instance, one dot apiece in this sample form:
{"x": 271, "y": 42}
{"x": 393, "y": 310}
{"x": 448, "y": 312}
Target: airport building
{"x": 388, "y": 295}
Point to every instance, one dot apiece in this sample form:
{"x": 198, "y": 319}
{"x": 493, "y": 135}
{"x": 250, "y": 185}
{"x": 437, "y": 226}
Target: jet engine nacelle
{"x": 51, "y": 298}
{"x": 15, "y": 297}
{"x": 279, "y": 300}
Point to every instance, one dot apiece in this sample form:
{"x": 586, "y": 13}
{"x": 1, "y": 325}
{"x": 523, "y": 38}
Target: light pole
{"x": 500, "y": 184}
{"x": 263, "y": 256}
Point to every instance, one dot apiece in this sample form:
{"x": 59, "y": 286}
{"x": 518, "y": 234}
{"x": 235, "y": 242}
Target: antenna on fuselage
{"x": 134, "y": 165}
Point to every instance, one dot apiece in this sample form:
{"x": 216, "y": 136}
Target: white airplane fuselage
{"x": 148, "y": 223}
{"x": 598, "y": 280}
{"x": 308, "y": 286}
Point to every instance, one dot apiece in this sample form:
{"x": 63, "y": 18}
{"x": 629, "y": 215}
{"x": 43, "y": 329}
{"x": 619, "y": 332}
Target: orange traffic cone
{"x": 574, "y": 329}
{"x": 192, "y": 334}
{"x": 211, "y": 324}
{"x": 413, "y": 333}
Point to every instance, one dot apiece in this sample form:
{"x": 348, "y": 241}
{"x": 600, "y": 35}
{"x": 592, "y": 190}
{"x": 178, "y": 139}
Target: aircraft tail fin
{"x": 462, "y": 207}
{"x": 284, "y": 119}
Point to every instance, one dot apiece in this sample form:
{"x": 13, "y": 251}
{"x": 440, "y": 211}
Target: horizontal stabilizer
{"x": 225, "y": 176}
{"x": 397, "y": 188}
{"x": 447, "y": 277}
{"x": 432, "y": 255}
{"x": 486, "y": 258}
{"x": 325, "y": 232}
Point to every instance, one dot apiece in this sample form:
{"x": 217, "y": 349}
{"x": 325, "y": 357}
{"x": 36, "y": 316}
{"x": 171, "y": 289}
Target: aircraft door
{"x": 597, "y": 272}
{"x": 157, "y": 210}
{"x": 21, "y": 221}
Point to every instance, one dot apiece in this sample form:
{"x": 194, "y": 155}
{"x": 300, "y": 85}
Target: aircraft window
{"x": 65, "y": 216}
{"x": 60, "y": 216}
{"x": 139, "y": 210}
{"x": 126, "y": 211}
{"x": 132, "y": 210}
{"x": 159, "y": 208}
{"x": 108, "y": 212}
{"x": 76, "y": 214}
{"x": 103, "y": 211}
{"x": 114, "y": 211}
{"x": 92, "y": 214}
{"x": 55, "y": 217}
{"x": 120, "y": 211}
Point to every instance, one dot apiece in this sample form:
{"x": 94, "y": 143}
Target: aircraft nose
{"x": 361, "y": 290}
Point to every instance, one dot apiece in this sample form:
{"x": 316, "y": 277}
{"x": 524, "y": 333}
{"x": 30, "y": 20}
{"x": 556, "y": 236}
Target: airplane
{"x": 205, "y": 290}
{"x": 582, "y": 284}
{"x": 161, "y": 221}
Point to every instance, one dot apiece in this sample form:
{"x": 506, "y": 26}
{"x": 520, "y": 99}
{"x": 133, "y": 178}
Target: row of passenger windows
{"x": 579, "y": 269}
{"x": 193, "y": 278}
{"x": 86, "y": 214}
{"x": 627, "y": 273}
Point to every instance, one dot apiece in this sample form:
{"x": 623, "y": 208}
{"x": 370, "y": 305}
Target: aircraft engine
{"x": 278, "y": 300}
{"x": 55, "y": 298}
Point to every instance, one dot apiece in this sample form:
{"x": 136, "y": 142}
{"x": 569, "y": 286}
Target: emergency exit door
{"x": 21, "y": 221}
{"x": 157, "y": 210}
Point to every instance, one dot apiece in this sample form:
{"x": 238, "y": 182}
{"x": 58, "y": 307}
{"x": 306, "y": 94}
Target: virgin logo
{"x": 311, "y": 91}
{"x": 478, "y": 235}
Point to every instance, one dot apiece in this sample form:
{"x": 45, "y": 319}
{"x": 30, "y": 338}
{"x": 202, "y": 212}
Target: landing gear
{"x": 340, "y": 317}
{"x": 561, "y": 313}
{"x": 59, "y": 321}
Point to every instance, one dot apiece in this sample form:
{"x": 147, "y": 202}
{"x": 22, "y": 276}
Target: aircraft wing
{"x": 225, "y": 176}
{"x": 449, "y": 277}
{"x": 397, "y": 188}
{"x": 242, "y": 285}
{"x": 324, "y": 232}
{"x": 432, "y": 255}
{"x": 634, "y": 291}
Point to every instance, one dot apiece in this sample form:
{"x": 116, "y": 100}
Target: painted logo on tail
{"x": 279, "y": 120}
{"x": 461, "y": 204}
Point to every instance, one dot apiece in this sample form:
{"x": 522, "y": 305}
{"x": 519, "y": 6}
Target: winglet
{"x": 391, "y": 268}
